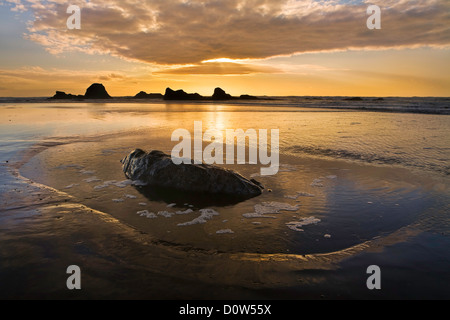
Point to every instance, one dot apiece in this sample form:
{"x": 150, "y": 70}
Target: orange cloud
{"x": 219, "y": 68}
{"x": 177, "y": 32}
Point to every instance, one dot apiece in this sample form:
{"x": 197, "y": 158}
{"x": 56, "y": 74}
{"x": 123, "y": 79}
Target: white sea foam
{"x": 187, "y": 211}
{"x": 166, "y": 214}
{"x": 105, "y": 184}
{"x": 257, "y": 215}
{"x": 87, "y": 172}
{"x": 119, "y": 184}
{"x": 206, "y": 214}
{"x": 92, "y": 179}
{"x": 130, "y": 196}
{"x": 70, "y": 186}
{"x": 262, "y": 209}
{"x": 297, "y": 225}
{"x": 299, "y": 194}
{"x": 225, "y": 231}
{"x": 332, "y": 177}
{"x": 274, "y": 207}
{"x": 305, "y": 194}
{"x": 317, "y": 183}
{"x": 171, "y": 205}
{"x": 147, "y": 214}
{"x": 118, "y": 200}
{"x": 123, "y": 184}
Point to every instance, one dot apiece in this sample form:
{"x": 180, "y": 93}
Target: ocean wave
{"x": 370, "y": 158}
{"x": 422, "y": 105}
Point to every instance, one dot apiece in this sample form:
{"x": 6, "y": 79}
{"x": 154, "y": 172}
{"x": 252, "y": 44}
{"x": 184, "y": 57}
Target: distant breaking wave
{"x": 424, "y": 105}
{"x": 367, "y": 158}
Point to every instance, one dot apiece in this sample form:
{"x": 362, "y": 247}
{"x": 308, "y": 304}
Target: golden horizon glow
{"x": 222, "y": 60}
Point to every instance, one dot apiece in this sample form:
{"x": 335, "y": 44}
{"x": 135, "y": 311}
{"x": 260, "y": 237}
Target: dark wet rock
{"x": 181, "y": 95}
{"x": 97, "y": 91}
{"x": 157, "y": 169}
{"x": 220, "y": 94}
{"x": 144, "y": 95}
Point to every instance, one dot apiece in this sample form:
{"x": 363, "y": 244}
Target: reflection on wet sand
{"x": 314, "y": 233}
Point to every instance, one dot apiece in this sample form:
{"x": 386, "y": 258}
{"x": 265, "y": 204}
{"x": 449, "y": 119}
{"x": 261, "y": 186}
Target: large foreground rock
{"x": 157, "y": 169}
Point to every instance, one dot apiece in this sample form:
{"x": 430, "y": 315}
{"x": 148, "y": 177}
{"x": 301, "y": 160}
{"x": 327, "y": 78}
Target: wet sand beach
{"x": 354, "y": 189}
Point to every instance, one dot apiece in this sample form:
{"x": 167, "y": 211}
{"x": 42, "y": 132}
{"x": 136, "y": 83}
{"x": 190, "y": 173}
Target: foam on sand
{"x": 92, "y": 179}
{"x": 87, "y": 172}
{"x": 123, "y": 184}
{"x": 206, "y": 214}
{"x": 299, "y": 194}
{"x": 252, "y": 215}
{"x": 147, "y": 214}
{"x": 166, "y": 214}
{"x": 317, "y": 183}
{"x": 106, "y": 184}
{"x": 297, "y": 225}
{"x": 187, "y": 211}
{"x": 71, "y": 186}
{"x": 225, "y": 231}
{"x": 262, "y": 209}
{"x": 305, "y": 194}
{"x": 118, "y": 184}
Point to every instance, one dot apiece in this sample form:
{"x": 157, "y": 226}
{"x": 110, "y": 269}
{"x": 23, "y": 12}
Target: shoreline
{"x": 366, "y": 104}
{"x": 138, "y": 254}
{"x": 124, "y": 256}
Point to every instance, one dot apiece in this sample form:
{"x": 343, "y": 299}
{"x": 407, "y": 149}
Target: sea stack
{"x": 97, "y": 91}
{"x": 60, "y": 95}
{"x": 145, "y": 95}
{"x": 181, "y": 95}
{"x": 156, "y": 169}
{"x": 220, "y": 94}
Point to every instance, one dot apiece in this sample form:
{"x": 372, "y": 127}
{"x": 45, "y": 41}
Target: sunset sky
{"x": 259, "y": 47}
